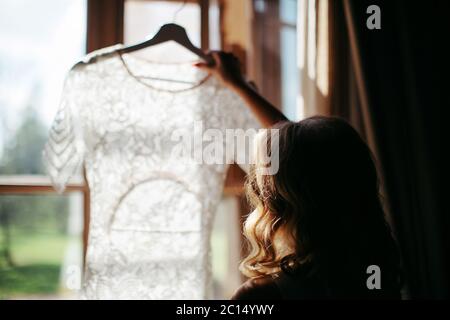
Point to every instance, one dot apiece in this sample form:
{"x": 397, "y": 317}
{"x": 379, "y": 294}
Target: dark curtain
{"x": 404, "y": 73}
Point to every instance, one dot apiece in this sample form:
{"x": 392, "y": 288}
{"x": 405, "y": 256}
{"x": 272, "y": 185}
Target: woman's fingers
{"x": 203, "y": 66}
{"x": 214, "y": 59}
{"x": 217, "y": 58}
{"x": 225, "y": 66}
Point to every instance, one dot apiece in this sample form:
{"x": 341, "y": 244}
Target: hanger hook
{"x": 178, "y": 10}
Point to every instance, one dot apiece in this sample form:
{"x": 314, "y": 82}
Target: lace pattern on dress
{"x": 151, "y": 212}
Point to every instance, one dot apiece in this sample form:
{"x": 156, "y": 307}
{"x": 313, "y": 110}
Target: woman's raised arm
{"x": 226, "y": 68}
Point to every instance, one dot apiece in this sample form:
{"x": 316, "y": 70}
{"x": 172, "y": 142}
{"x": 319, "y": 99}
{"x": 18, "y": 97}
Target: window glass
{"x": 39, "y": 41}
{"x": 288, "y": 58}
{"x": 144, "y": 18}
{"x": 40, "y": 235}
{"x": 40, "y": 246}
{"x": 288, "y": 11}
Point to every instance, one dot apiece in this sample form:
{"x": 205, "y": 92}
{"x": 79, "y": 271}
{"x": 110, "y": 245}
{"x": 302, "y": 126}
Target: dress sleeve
{"x": 241, "y": 117}
{"x": 64, "y": 151}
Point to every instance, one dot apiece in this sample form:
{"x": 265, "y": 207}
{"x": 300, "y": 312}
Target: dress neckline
{"x": 125, "y": 65}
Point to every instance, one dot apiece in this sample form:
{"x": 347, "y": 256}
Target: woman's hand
{"x": 225, "y": 67}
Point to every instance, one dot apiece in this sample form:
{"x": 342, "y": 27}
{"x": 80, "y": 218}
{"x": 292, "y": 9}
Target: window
{"x": 288, "y": 58}
{"x": 144, "y": 18}
{"x": 40, "y": 232}
{"x": 275, "y": 52}
{"x": 43, "y": 235}
{"x": 41, "y": 247}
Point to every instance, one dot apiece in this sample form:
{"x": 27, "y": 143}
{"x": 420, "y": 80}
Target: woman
{"x": 318, "y": 228}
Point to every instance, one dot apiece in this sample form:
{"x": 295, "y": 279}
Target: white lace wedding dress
{"x": 151, "y": 211}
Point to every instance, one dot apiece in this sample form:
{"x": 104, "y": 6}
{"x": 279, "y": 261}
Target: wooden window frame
{"x": 265, "y": 33}
{"x": 266, "y": 63}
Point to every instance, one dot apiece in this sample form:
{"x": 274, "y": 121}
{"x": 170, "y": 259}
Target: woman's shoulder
{"x": 258, "y": 289}
{"x": 302, "y": 283}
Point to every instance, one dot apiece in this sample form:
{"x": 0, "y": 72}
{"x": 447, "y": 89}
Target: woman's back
{"x": 298, "y": 285}
{"x": 308, "y": 284}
